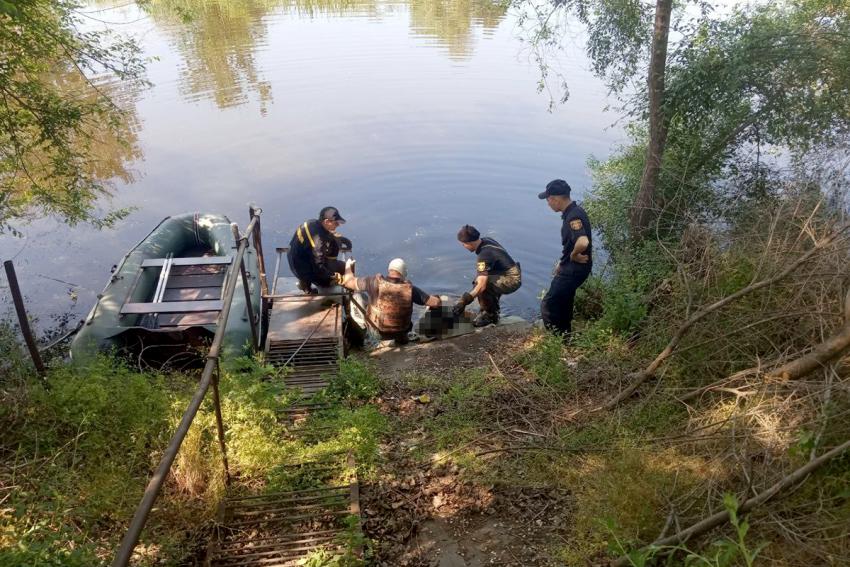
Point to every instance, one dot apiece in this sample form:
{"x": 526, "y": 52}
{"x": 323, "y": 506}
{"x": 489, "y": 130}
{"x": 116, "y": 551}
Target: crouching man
{"x": 497, "y": 274}
{"x": 391, "y": 300}
{"x": 313, "y": 251}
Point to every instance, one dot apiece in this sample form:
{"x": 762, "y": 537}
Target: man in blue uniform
{"x": 576, "y": 261}
{"x": 497, "y": 274}
{"x": 313, "y": 251}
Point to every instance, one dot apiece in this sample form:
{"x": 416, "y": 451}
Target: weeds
{"x": 544, "y": 357}
{"x": 724, "y": 552}
{"x": 75, "y": 458}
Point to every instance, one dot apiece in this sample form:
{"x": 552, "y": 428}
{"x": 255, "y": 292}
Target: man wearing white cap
{"x": 391, "y": 300}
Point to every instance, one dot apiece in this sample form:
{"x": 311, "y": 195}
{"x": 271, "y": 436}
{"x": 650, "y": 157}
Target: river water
{"x": 412, "y": 117}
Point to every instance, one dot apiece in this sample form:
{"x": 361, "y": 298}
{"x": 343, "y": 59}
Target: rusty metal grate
{"x": 305, "y": 335}
{"x": 311, "y": 363}
{"x": 281, "y": 529}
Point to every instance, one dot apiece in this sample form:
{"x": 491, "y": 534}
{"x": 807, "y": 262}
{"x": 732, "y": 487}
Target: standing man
{"x": 313, "y": 251}
{"x": 576, "y": 259}
{"x": 391, "y": 300}
{"x": 496, "y": 274}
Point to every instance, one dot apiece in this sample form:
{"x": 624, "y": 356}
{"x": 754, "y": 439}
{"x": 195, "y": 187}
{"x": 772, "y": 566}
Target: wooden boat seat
{"x": 188, "y": 291}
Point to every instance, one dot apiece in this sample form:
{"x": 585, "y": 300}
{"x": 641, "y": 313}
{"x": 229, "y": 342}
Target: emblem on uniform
{"x": 575, "y": 224}
{"x": 482, "y": 267}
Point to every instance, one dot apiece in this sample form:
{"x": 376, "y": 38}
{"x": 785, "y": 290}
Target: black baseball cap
{"x": 555, "y": 187}
{"x": 331, "y": 213}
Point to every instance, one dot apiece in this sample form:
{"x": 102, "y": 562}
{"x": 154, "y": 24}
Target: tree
{"x": 618, "y": 32}
{"x": 644, "y": 204}
{"x": 53, "y": 114}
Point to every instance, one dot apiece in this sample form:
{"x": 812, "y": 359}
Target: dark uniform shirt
{"x": 575, "y": 225}
{"x": 313, "y": 253}
{"x": 369, "y": 284}
{"x": 493, "y": 260}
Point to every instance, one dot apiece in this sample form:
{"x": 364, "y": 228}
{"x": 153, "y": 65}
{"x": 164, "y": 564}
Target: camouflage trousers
{"x": 497, "y": 286}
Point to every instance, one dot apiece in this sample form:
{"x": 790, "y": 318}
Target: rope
{"x": 316, "y": 328}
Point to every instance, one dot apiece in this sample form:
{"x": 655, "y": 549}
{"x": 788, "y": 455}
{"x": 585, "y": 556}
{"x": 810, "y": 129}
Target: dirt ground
{"x": 429, "y": 514}
{"x": 465, "y": 351}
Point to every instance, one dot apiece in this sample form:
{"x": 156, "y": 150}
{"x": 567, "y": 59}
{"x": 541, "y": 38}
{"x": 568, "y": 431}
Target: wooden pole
{"x": 18, "y": 299}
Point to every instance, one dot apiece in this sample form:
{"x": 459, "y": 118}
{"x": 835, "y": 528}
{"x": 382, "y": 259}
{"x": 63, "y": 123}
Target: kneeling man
{"x": 391, "y": 300}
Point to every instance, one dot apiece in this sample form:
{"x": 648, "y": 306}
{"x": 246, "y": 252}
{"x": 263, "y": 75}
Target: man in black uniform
{"x": 313, "y": 251}
{"x": 496, "y": 274}
{"x": 576, "y": 259}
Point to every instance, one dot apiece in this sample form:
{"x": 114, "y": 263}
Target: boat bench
{"x": 188, "y": 291}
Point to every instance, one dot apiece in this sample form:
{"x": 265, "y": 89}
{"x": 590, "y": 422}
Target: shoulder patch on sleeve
{"x": 482, "y": 266}
{"x": 575, "y": 224}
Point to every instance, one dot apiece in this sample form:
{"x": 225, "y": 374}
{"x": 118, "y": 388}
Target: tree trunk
{"x": 644, "y": 207}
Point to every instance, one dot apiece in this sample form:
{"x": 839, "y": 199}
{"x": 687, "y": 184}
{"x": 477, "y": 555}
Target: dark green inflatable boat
{"x": 162, "y": 302}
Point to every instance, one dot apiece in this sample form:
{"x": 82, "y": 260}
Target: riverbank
{"x": 484, "y": 449}
{"x": 498, "y": 453}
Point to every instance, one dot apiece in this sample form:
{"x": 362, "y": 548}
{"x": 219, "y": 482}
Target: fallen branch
{"x": 719, "y": 518}
{"x": 638, "y": 378}
{"x": 725, "y": 382}
{"x": 833, "y": 347}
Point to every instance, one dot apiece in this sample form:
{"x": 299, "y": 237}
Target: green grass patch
{"x": 461, "y": 409}
{"x": 545, "y": 358}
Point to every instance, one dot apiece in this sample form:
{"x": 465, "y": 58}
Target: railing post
{"x": 219, "y": 421}
{"x": 248, "y": 304}
{"x": 18, "y": 300}
{"x": 255, "y": 212}
{"x": 276, "y": 270}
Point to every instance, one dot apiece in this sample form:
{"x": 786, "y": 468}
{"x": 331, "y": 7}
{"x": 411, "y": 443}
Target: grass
{"x": 75, "y": 460}
{"x": 544, "y": 357}
{"x": 75, "y": 457}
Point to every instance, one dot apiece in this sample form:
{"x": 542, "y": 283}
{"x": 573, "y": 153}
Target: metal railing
{"x": 209, "y": 379}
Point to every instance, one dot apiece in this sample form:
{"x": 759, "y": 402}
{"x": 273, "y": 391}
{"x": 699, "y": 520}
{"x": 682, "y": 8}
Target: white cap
{"x": 398, "y": 265}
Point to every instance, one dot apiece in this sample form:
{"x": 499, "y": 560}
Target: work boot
{"x": 485, "y": 318}
{"x": 307, "y": 288}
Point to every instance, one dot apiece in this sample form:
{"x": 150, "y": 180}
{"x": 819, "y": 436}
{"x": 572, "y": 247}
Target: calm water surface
{"x": 413, "y": 118}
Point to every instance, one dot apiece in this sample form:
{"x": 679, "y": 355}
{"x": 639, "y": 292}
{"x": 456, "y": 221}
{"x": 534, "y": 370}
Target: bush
{"x": 356, "y": 382}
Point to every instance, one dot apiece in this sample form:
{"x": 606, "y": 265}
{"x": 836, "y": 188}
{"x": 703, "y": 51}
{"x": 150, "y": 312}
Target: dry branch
{"x": 822, "y": 354}
{"x": 731, "y": 379}
{"x": 719, "y": 518}
{"x": 638, "y": 378}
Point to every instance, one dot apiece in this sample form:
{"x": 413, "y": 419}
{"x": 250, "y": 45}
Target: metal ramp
{"x": 282, "y": 529}
{"x": 304, "y": 334}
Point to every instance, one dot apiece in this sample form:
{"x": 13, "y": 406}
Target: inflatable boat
{"x": 163, "y": 300}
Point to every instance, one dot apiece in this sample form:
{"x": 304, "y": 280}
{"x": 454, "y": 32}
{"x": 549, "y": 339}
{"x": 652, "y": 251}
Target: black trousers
{"x": 306, "y": 272}
{"x": 556, "y": 309}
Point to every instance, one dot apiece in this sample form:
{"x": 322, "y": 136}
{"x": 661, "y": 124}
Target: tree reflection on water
{"x": 219, "y": 39}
